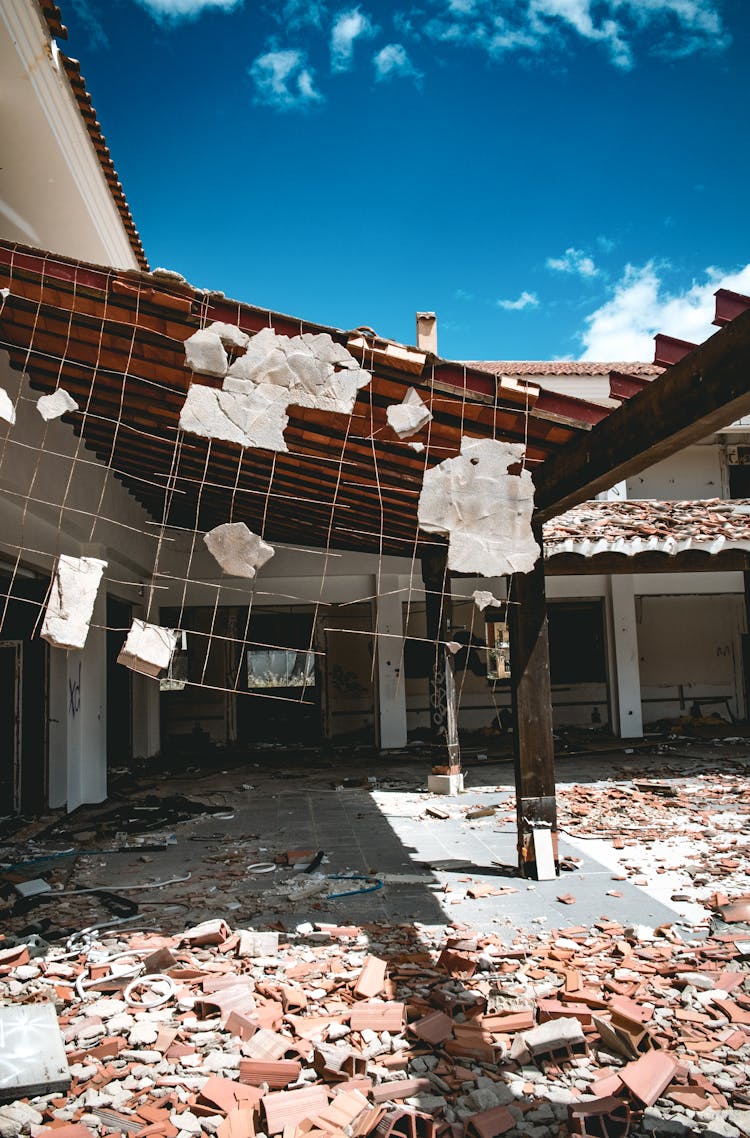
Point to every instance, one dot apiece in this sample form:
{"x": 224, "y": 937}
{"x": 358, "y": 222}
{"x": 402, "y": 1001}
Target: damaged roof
{"x": 115, "y": 341}
{"x": 563, "y": 367}
{"x": 637, "y": 526}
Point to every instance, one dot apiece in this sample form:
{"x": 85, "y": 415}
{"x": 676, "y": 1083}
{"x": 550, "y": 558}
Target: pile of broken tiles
{"x": 419, "y": 1031}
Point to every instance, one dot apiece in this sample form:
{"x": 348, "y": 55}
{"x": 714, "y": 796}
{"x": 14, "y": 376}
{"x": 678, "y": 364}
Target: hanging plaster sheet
{"x": 484, "y": 511}
{"x": 238, "y": 550}
{"x": 70, "y": 607}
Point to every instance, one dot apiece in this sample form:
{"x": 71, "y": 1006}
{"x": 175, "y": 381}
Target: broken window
{"x": 280, "y": 668}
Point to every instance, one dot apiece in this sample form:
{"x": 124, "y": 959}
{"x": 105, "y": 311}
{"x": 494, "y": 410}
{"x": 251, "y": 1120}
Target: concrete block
{"x": 445, "y": 783}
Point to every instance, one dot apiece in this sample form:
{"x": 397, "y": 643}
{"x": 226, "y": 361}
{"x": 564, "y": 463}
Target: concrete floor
{"x": 378, "y": 829}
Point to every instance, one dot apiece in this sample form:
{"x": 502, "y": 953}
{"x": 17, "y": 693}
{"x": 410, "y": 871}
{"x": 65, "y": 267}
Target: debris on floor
{"x": 416, "y": 1030}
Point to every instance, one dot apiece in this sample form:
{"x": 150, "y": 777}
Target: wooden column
{"x": 532, "y": 712}
{"x": 443, "y": 716}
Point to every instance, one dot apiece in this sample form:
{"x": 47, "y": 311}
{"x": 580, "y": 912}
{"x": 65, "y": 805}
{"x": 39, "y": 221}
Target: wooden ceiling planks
{"x": 115, "y": 339}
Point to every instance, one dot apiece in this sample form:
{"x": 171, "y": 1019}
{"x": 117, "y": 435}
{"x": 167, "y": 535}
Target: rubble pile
{"x": 692, "y": 831}
{"x": 413, "y": 1030}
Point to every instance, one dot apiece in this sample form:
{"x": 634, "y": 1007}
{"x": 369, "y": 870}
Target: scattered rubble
{"x": 346, "y": 1030}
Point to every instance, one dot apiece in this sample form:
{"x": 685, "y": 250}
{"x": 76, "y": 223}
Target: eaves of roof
{"x": 57, "y": 30}
{"x": 563, "y": 367}
{"x": 635, "y": 526}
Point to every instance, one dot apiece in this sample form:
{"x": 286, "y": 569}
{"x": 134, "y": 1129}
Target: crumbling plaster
{"x": 259, "y": 385}
{"x": 483, "y": 509}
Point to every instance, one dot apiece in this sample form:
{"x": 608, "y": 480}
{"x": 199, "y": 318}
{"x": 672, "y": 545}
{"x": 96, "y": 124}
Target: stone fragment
{"x": 54, "y": 405}
{"x": 484, "y": 599}
{"x": 71, "y": 601}
{"x": 238, "y": 550}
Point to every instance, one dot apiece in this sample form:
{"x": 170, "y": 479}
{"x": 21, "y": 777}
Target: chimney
{"x": 427, "y": 332}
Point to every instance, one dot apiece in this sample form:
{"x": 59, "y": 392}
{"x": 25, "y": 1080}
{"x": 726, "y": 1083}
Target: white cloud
{"x": 349, "y": 26}
{"x": 282, "y": 80}
{"x": 525, "y": 300}
{"x": 573, "y": 261}
{"x": 624, "y": 327}
{"x": 174, "y": 10}
{"x": 667, "y": 28}
{"x": 392, "y": 62}
{"x": 300, "y": 13}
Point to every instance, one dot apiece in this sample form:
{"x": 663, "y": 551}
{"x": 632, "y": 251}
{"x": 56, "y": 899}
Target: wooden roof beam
{"x": 706, "y": 390}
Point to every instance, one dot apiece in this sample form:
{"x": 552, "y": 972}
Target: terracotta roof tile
{"x": 636, "y": 526}
{"x": 562, "y": 367}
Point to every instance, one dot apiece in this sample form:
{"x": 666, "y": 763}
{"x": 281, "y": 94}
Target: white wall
{"x": 55, "y": 497}
{"x": 696, "y": 472}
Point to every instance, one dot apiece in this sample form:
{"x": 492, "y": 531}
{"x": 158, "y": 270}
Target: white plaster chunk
{"x": 484, "y": 599}
{"x": 54, "y": 405}
{"x": 239, "y": 551}
{"x": 409, "y": 416}
{"x": 252, "y": 419}
{"x": 274, "y": 373}
{"x": 204, "y": 353}
{"x": 7, "y": 410}
{"x": 148, "y": 648}
{"x": 484, "y": 511}
{"x": 230, "y": 335}
{"x": 71, "y": 601}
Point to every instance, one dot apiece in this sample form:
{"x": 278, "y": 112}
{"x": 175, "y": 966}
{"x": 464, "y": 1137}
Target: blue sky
{"x": 555, "y": 178}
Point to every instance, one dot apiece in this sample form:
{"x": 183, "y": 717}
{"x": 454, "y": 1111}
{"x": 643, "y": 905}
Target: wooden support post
{"x": 532, "y": 713}
{"x": 443, "y": 715}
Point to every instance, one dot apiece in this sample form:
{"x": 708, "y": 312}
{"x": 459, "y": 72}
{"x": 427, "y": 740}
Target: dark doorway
{"x": 10, "y": 726}
{"x": 281, "y": 674}
{"x": 119, "y": 685}
{"x": 23, "y": 696}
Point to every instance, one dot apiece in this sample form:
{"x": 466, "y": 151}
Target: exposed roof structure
{"x": 115, "y": 341}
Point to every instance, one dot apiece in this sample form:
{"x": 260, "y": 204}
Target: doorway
{"x": 119, "y": 685}
{"x": 10, "y": 727}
